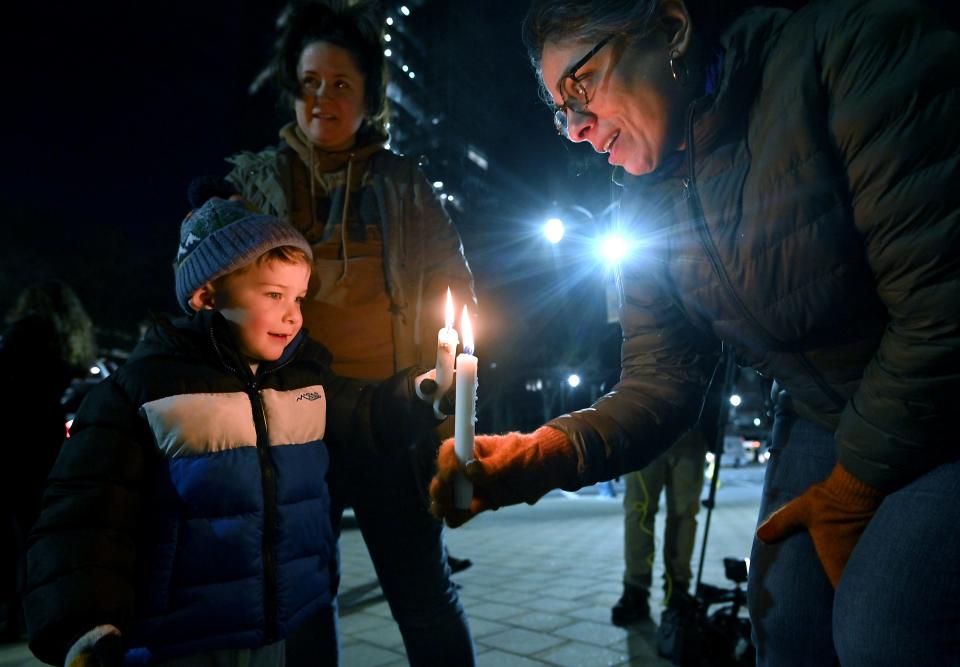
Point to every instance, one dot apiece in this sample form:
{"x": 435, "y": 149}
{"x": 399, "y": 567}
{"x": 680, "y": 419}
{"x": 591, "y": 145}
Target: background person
{"x": 678, "y": 472}
{"x": 384, "y": 254}
{"x": 794, "y": 174}
{"x": 48, "y": 342}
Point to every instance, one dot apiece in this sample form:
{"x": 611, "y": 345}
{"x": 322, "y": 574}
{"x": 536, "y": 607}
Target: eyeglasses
{"x": 573, "y": 92}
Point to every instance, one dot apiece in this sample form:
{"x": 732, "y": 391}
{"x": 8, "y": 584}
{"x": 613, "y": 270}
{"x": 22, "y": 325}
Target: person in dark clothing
{"x": 385, "y": 253}
{"x": 795, "y": 176}
{"x": 48, "y": 342}
{"x": 187, "y": 520}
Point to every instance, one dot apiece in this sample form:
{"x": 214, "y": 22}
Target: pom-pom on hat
{"x": 220, "y": 237}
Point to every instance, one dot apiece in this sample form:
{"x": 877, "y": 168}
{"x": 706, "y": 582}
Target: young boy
{"x": 186, "y": 521}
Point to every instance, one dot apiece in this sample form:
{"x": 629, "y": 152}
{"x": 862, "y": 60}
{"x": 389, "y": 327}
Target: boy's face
{"x": 262, "y": 303}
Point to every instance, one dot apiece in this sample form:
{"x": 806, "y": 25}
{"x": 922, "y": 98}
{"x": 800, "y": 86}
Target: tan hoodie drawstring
{"x": 343, "y": 216}
{"x": 343, "y": 222}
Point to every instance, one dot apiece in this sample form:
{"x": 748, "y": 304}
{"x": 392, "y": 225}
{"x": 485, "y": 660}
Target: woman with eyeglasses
{"x": 385, "y": 252}
{"x": 794, "y": 174}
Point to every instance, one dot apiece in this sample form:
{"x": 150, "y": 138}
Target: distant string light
{"x": 411, "y": 74}
{"x": 438, "y": 185}
{"x": 405, "y": 68}
{"x": 404, "y": 10}
{"x": 389, "y": 20}
{"x": 387, "y": 52}
{"x": 387, "y": 37}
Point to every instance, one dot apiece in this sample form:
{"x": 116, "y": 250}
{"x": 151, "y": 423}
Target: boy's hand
{"x": 426, "y": 385}
{"x": 508, "y": 469}
{"x": 101, "y": 647}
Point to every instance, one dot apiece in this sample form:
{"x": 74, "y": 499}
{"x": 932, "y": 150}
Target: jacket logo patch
{"x": 309, "y": 396}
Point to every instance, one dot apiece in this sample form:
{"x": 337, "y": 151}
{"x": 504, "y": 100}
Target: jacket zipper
{"x": 269, "y": 487}
{"x": 690, "y": 188}
{"x": 269, "y": 491}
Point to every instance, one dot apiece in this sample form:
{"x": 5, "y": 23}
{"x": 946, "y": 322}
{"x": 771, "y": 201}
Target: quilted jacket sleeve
{"x": 666, "y": 368}
{"x": 889, "y": 68}
{"x": 81, "y": 552}
{"x": 445, "y": 261}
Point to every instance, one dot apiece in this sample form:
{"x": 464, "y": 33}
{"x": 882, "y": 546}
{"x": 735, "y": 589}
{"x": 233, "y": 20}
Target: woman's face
{"x": 635, "y": 108}
{"x": 331, "y": 105}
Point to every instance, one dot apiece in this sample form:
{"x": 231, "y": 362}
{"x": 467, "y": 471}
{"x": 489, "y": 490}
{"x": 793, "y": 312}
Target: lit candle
{"x": 466, "y": 412}
{"x": 447, "y": 341}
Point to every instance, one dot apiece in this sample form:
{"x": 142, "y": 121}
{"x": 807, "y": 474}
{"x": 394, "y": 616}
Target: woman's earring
{"x": 678, "y": 68}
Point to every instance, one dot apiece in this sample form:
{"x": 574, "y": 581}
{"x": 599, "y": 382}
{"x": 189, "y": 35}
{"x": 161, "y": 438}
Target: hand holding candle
{"x": 466, "y": 411}
{"x": 447, "y": 341}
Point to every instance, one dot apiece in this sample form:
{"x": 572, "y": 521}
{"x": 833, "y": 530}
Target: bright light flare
{"x": 614, "y": 248}
{"x": 573, "y": 380}
{"x": 735, "y": 400}
{"x": 554, "y": 230}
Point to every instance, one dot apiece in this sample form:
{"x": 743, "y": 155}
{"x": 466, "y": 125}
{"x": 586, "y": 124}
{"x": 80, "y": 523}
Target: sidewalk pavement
{"x": 543, "y": 580}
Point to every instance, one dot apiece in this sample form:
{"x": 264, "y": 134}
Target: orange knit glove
{"x": 835, "y": 512}
{"x": 508, "y": 469}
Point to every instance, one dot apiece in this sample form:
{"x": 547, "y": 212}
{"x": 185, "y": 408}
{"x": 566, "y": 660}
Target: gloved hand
{"x": 427, "y": 390}
{"x": 835, "y": 512}
{"x": 101, "y": 647}
{"x": 507, "y": 470}
{"x": 398, "y": 408}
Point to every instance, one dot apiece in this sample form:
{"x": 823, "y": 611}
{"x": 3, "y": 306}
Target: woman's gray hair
{"x": 581, "y": 21}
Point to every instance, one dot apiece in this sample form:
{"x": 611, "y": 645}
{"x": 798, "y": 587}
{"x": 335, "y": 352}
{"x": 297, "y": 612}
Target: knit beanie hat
{"x": 220, "y": 237}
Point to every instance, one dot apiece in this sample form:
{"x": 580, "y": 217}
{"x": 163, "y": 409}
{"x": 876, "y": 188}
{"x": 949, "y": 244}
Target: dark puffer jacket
{"x": 814, "y": 225}
{"x": 189, "y": 508}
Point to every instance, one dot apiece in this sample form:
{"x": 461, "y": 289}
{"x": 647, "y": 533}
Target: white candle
{"x": 466, "y": 412}
{"x": 447, "y": 341}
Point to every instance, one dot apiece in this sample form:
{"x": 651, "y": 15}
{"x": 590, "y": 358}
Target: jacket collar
{"x": 208, "y": 335}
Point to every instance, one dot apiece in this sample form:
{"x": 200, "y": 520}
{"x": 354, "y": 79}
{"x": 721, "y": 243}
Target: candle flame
{"x": 467, "y": 330}
{"x": 449, "y": 313}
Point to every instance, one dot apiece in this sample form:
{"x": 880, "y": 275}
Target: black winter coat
{"x": 814, "y": 225}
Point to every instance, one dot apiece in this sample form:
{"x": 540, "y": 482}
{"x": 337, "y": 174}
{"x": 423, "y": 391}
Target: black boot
{"x": 631, "y": 607}
{"x": 458, "y": 564}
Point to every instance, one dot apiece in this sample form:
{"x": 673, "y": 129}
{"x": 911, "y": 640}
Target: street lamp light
{"x": 613, "y": 249}
{"x": 554, "y": 230}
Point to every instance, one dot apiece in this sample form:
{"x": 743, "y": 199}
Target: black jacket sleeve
{"x": 666, "y": 361}
{"x": 81, "y": 552}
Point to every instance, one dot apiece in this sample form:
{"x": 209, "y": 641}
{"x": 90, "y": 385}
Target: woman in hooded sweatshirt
{"x": 384, "y": 254}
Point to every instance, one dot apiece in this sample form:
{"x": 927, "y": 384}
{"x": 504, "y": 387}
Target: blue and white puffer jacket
{"x": 190, "y": 507}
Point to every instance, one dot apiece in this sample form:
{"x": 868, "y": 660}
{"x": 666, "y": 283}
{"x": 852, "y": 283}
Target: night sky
{"x": 113, "y": 108}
